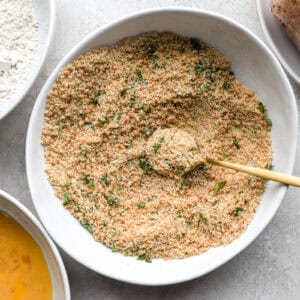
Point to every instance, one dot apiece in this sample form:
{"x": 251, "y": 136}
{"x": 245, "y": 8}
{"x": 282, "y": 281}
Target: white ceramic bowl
{"x": 252, "y": 63}
{"x": 282, "y": 46}
{"x": 24, "y": 217}
{"x": 45, "y": 13}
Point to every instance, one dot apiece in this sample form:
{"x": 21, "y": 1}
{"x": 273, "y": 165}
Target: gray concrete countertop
{"x": 268, "y": 269}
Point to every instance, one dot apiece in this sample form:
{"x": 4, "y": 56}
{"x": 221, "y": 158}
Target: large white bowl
{"x": 252, "y": 63}
{"x": 45, "y": 13}
{"x": 59, "y": 279}
{"x": 282, "y": 46}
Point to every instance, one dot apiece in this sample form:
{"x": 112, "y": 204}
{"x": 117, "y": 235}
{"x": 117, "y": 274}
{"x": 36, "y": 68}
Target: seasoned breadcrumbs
{"x": 102, "y": 110}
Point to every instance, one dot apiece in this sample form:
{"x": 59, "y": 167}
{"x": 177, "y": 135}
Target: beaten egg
{"x": 24, "y": 272}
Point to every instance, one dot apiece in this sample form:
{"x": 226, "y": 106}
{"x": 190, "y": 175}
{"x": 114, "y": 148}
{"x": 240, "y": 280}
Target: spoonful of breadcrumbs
{"x": 174, "y": 152}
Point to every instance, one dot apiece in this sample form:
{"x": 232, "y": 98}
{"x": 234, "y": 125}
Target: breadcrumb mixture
{"x": 103, "y": 109}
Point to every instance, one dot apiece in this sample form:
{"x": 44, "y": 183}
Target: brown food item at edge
{"x": 287, "y": 13}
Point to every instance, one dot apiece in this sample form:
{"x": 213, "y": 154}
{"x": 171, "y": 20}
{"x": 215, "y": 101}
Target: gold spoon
{"x": 172, "y": 153}
{"x": 259, "y": 172}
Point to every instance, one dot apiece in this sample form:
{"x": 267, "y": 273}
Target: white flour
{"x": 18, "y": 43}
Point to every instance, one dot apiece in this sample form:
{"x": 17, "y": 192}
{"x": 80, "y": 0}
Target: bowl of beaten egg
{"x": 31, "y": 266}
{"x": 142, "y": 96}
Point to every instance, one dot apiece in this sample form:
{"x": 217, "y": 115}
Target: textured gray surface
{"x": 268, "y": 269}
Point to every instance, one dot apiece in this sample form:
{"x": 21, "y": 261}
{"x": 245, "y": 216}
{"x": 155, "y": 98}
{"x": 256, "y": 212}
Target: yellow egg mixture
{"x": 23, "y": 270}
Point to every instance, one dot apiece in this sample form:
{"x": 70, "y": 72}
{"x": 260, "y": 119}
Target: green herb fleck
{"x": 235, "y": 142}
{"x": 207, "y": 89}
{"x": 139, "y": 74}
{"x": 141, "y": 204}
{"x": 226, "y": 85}
{"x": 219, "y": 187}
{"x": 104, "y": 224}
{"x": 157, "y": 146}
{"x": 114, "y": 249}
{"x": 195, "y": 148}
{"x": 262, "y": 180}
{"x": 89, "y": 180}
{"x": 89, "y": 125}
{"x": 96, "y": 99}
{"x": 201, "y": 67}
{"x": 66, "y": 199}
{"x": 151, "y": 52}
{"x": 135, "y": 248}
{"x": 186, "y": 183}
{"x": 269, "y": 166}
{"x": 261, "y": 107}
{"x": 268, "y": 120}
{"x": 83, "y": 151}
{"x": 66, "y": 185}
{"x": 133, "y": 100}
{"x": 238, "y": 211}
{"x": 87, "y": 226}
{"x": 246, "y": 202}
{"x": 145, "y": 165}
{"x": 77, "y": 206}
{"x": 145, "y": 257}
{"x": 104, "y": 121}
{"x": 224, "y": 152}
{"x": 82, "y": 116}
{"x": 179, "y": 213}
{"x": 112, "y": 201}
{"x": 104, "y": 179}
{"x": 123, "y": 92}
{"x": 117, "y": 116}
{"x": 148, "y": 132}
{"x": 202, "y": 218}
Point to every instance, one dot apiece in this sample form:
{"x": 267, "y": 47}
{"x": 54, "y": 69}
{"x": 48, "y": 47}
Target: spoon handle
{"x": 259, "y": 172}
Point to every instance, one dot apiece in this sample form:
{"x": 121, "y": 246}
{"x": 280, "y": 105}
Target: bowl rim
{"x": 262, "y": 22}
{"x": 118, "y": 22}
{"x": 35, "y": 74}
{"x": 29, "y": 215}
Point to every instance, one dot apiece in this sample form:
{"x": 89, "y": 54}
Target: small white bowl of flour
{"x": 27, "y": 27}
